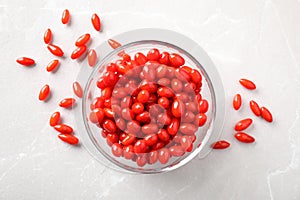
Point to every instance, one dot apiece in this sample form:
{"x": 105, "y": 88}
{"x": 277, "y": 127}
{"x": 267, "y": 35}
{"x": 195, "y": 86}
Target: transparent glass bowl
{"x": 195, "y": 58}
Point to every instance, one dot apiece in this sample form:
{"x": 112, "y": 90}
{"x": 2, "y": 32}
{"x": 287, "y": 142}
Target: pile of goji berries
{"x": 150, "y": 105}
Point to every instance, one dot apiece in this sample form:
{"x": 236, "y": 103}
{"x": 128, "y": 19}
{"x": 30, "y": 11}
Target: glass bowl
{"x": 91, "y": 133}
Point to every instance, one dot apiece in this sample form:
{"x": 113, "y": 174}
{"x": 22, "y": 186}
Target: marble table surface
{"x": 256, "y": 39}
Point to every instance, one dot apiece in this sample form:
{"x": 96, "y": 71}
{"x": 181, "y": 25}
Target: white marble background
{"x": 257, "y": 39}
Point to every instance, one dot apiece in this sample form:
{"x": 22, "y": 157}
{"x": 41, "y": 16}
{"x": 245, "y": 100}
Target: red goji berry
{"x": 117, "y": 149}
{"x": 247, "y": 84}
{"x": 113, "y": 43}
{"x": 173, "y": 127}
{"x": 141, "y": 160}
{"x": 126, "y": 57}
{"x": 140, "y": 58}
{"x": 186, "y": 142}
{"x": 176, "y": 85}
{"x": 153, "y": 54}
{"x": 137, "y": 108}
{"x": 79, "y": 51}
{"x": 108, "y": 112}
{"x": 109, "y": 126}
{"x": 177, "y": 108}
{"x": 161, "y": 72}
{"x": 128, "y": 139}
{"x": 176, "y": 60}
{"x": 244, "y": 137}
{"x": 164, "y": 59}
{"x": 191, "y": 106}
{"x": 143, "y": 96}
{"x": 52, "y": 65}
{"x": 48, "y": 36}
{"x": 188, "y": 129}
{"x": 163, "y": 135}
{"x": 151, "y": 139}
{"x": 201, "y": 119}
{"x": 203, "y": 106}
{"x": 237, "y": 101}
{"x": 128, "y": 152}
{"x": 55, "y": 50}
{"x": 67, "y": 102}
{"x": 140, "y": 146}
{"x": 98, "y": 102}
{"x": 54, "y": 119}
{"x": 176, "y": 151}
{"x": 196, "y": 76}
{"x": 158, "y": 146}
{"x": 144, "y": 117}
{"x": 96, "y": 22}
{"x": 255, "y": 108}
{"x": 82, "y": 40}
{"x": 92, "y": 58}
{"x": 165, "y": 92}
{"x": 164, "y": 155}
{"x": 127, "y": 114}
{"x": 153, "y": 157}
{"x": 65, "y": 18}
{"x": 266, "y": 114}
{"x": 164, "y": 102}
{"x": 70, "y": 139}
{"x": 25, "y": 61}
{"x": 149, "y": 129}
{"x": 222, "y": 144}
{"x": 97, "y": 115}
{"x": 77, "y": 89}
{"x": 112, "y": 138}
{"x": 63, "y": 128}
{"x": 243, "y": 124}
{"x": 44, "y": 92}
